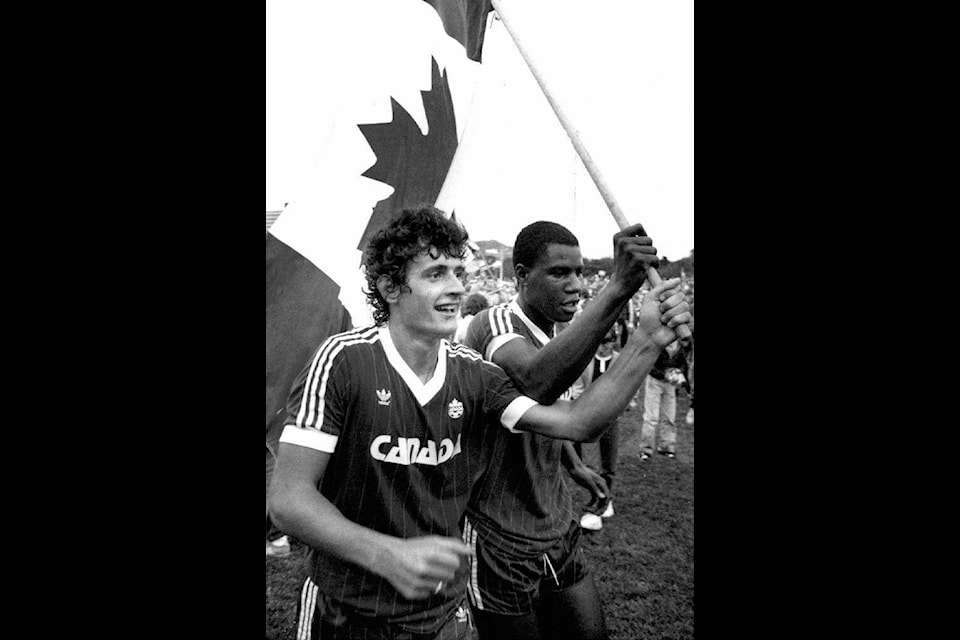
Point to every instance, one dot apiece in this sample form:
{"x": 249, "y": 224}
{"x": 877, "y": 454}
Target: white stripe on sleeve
{"x": 308, "y": 604}
{"x": 496, "y": 321}
{"x": 498, "y": 342}
{"x": 514, "y": 411}
{"x": 311, "y": 405}
{"x": 310, "y": 438}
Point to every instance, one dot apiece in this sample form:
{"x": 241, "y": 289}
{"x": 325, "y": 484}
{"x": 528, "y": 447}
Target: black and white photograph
{"x": 480, "y": 320}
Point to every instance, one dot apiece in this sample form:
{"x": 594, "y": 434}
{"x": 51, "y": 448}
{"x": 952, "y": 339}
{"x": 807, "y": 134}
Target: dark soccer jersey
{"x": 403, "y": 453}
{"x": 522, "y": 498}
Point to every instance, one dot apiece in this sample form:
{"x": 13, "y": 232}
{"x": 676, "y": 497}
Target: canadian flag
{"x": 366, "y": 102}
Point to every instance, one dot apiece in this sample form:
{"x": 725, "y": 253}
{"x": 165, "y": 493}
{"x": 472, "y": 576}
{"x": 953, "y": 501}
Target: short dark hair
{"x": 533, "y": 239}
{"x": 474, "y": 304}
{"x": 410, "y": 233}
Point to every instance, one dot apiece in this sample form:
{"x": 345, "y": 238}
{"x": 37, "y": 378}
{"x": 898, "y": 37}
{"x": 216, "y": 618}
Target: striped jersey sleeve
{"x": 520, "y": 504}
{"x": 317, "y": 401}
{"x": 491, "y": 329}
{"x": 501, "y": 397}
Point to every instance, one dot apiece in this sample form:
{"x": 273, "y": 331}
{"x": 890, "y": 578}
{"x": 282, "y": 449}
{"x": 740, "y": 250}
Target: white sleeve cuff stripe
{"x": 310, "y": 438}
{"x": 514, "y": 411}
{"x": 498, "y": 342}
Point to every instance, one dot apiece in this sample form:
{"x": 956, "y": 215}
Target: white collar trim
{"x": 422, "y": 392}
{"x": 534, "y": 329}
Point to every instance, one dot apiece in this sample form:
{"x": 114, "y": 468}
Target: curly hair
{"x": 411, "y": 233}
{"x": 533, "y": 239}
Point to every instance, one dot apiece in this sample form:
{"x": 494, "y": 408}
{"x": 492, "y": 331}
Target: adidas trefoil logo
{"x": 383, "y": 397}
{"x": 455, "y": 410}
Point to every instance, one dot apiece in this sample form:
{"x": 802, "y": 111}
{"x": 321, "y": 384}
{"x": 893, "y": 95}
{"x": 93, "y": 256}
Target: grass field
{"x": 642, "y": 559}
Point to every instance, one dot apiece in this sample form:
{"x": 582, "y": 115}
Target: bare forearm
{"x": 309, "y": 517}
{"x": 602, "y": 402}
{"x": 558, "y": 364}
{"x": 609, "y": 395}
{"x": 416, "y": 566}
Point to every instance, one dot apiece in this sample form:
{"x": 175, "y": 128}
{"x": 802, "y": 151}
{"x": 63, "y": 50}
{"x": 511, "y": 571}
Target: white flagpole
{"x": 591, "y": 167}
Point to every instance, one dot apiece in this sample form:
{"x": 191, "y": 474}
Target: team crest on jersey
{"x": 383, "y": 397}
{"x": 455, "y": 410}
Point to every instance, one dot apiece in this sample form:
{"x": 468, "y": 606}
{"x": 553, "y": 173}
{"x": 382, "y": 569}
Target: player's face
{"x": 554, "y": 284}
{"x": 430, "y": 303}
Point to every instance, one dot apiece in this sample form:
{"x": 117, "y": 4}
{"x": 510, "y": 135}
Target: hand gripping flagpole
{"x": 683, "y": 330}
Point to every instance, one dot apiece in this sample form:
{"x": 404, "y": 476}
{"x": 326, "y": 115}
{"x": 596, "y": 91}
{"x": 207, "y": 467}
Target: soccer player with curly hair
{"x": 383, "y": 442}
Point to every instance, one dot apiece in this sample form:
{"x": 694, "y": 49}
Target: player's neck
{"x": 545, "y": 324}
{"x": 419, "y": 352}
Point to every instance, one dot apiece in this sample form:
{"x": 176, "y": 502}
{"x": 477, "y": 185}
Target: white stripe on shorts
{"x": 308, "y": 605}
{"x": 473, "y": 585}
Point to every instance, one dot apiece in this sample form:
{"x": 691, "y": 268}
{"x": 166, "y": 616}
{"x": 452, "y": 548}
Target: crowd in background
{"x": 485, "y": 288}
{"x": 496, "y": 290}
{"x": 486, "y": 282}
{"x": 672, "y": 375}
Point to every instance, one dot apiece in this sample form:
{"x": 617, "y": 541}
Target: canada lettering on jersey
{"x": 409, "y": 451}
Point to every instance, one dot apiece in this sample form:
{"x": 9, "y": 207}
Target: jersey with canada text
{"x": 403, "y": 454}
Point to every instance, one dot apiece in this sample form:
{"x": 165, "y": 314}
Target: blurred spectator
{"x": 689, "y": 418}
{"x": 660, "y": 402}
{"x": 608, "y": 445}
{"x": 474, "y": 304}
{"x": 496, "y": 290}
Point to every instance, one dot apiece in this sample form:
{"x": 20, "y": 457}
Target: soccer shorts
{"x": 319, "y": 616}
{"x": 507, "y": 583}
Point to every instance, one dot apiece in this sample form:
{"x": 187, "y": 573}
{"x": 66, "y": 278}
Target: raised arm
{"x": 663, "y": 309}
{"x": 544, "y": 374}
{"x": 413, "y": 566}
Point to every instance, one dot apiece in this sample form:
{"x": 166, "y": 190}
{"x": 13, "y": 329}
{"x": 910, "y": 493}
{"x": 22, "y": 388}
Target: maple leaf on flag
{"x": 411, "y": 162}
{"x": 353, "y": 146}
